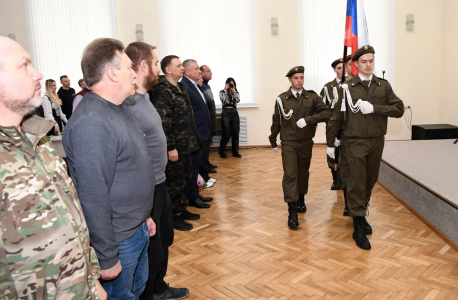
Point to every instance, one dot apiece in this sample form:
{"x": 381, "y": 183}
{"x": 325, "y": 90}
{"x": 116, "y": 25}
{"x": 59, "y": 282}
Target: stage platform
{"x": 424, "y": 175}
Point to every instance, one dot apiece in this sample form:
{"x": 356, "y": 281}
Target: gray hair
{"x": 187, "y": 62}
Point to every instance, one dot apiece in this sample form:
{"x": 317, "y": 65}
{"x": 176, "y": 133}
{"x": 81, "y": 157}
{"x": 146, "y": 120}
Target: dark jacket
{"x": 210, "y": 102}
{"x": 360, "y": 126}
{"x": 173, "y": 105}
{"x": 309, "y": 106}
{"x": 200, "y": 108}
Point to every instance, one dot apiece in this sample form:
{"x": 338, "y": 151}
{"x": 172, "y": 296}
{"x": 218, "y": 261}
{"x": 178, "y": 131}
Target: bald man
{"x": 44, "y": 241}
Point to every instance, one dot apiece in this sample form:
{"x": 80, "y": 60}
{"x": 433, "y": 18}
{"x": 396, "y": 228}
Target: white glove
{"x": 336, "y": 142}
{"x": 330, "y": 152}
{"x": 366, "y": 107}
{"x": 275, "y": 149}
{"x": 301, "y": 123}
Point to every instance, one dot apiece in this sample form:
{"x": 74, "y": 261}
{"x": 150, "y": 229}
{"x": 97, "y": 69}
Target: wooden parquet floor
{"x": 241, "y": 248}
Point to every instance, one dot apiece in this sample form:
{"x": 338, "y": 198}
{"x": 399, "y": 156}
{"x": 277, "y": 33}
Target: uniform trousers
{"x": 158, "y": 250}
{"x": 296, "y": 157}
{"x": 178, "y": 176}
{"x": 193, "y": 188}
{"x": 359, "y": 167}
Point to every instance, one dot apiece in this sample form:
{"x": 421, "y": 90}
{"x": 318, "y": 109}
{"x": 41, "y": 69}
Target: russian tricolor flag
{"x": 356, "y": 34}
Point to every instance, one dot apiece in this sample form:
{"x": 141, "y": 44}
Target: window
{"x": 322, "y": 37}
{"x": 219, "y": 34}
{"x": 60, "y": 30}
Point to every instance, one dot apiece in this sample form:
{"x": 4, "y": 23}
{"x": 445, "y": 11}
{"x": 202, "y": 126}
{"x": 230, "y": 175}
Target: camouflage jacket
{"x": 173, "y": 105}
{"x": 44, "y": 240}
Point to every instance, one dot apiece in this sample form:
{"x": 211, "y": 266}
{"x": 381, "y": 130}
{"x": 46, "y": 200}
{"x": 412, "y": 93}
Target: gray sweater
{"x": 151, "y": 123}
{"x": 112, "y": 171}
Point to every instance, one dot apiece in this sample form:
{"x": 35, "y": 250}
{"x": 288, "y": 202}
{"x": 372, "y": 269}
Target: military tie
{"x": 367, "y": 83}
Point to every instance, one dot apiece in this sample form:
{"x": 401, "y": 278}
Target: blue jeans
{"x": 133, "y": 254}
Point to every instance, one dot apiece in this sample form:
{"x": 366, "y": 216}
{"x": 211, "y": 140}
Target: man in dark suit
{"x": 190, "y": 79}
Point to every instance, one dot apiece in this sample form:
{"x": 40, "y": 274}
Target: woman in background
{"x": 230, "y": 120}
{"x": 52, "y": 107}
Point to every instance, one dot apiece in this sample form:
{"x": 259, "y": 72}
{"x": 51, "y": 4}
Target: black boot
{"x": 293, "y": 222}
{"x": 367, "y": 227}
{"x": 359, "y": 235}
{"x": 336, "y": 183}
{"x": 301, "y": 208}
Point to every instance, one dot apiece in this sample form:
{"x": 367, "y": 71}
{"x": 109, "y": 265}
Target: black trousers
{"x": 204, "y": 163}
{"x": 230, "y": 122}
{"x": 158, "y": 251}
{"x": 193, "y": 189}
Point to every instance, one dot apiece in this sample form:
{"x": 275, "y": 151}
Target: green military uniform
{"x": 297, "y": 142}
{"x": 173, "y": 105}
{"x": 44, "y": 240}
{"x": 328, "y": 101}
{"x": 363, "y": 138}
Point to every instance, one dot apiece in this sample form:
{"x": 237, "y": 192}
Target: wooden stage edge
{"x": 419, "y": 216}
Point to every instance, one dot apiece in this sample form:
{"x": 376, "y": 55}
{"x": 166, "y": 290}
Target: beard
{"x": 23, "y": 106}
{"x": 151, "y": 80}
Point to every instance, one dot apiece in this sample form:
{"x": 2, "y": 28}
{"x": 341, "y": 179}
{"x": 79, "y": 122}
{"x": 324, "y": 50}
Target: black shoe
{"x": 212, "y": 171}
{"x": 223, "y": 155}
{"x": 237, "y": 155}
{"x": 198, "y": 203}
{"x": 172, "y": 294}
{"x": 293, "y": 222}
{"x": 213, "y": 166}
{"x": 359, "y": 235}
{"x": 301, "y": 208}
{"x": 180, "y": 224}
{"x": 367, "y": 227}
{"x": 187, "y": 215}
{"x": 205, "y": 199}
{"x": 346, "y": 211}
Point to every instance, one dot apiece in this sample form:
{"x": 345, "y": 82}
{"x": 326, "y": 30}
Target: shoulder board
{"x": 311, "y": 91}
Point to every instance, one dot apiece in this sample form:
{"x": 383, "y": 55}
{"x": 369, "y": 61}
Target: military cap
{"x": 294, "y": 70}
{"x": 336, "y": 62}
{"x": 361, "y": 51}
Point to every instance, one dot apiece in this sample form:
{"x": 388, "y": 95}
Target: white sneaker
{"x": 208, "y": 184}
{"x": 212, "y": 180}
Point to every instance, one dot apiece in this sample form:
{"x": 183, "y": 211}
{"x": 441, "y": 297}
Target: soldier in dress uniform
{"x": 296, "y": 114}
{"x": 365, "y": 103}
{"x": 329, "y": 96}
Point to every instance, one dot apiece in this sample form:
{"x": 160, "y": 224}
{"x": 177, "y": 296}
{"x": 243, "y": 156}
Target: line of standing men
{"x": 360, "y": 109}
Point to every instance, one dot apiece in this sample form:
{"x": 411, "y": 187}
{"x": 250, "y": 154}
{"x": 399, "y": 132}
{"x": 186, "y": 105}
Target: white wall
{"x": 448, "y": 106}
{"x": 425, "y": 58}
{"x": 13, "y": 19}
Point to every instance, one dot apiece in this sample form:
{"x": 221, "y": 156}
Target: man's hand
{"x": 330, "y": 152}
{"x": 100, "y": 290}
{"x": 111, "y": 273}
{"x": 366, "y": 107}
{"x": 301, "y": 123}
{"x": 151, "y": 226}
{"x": 56, "y": 129}
{"x": 275, "y": 149}
{"x": 337, "y": 142}
{"x": 173, "y": 155}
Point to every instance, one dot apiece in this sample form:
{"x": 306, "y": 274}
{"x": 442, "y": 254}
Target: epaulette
{"x": 312, "y": 91}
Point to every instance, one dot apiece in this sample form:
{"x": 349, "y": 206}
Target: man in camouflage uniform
{"x": 44, "y": 241}
{"x": 172, "y": 103}
{"x": 296, "y": 115}
{"x": 327, "y": 94}
{"x": 369, "y": 101}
